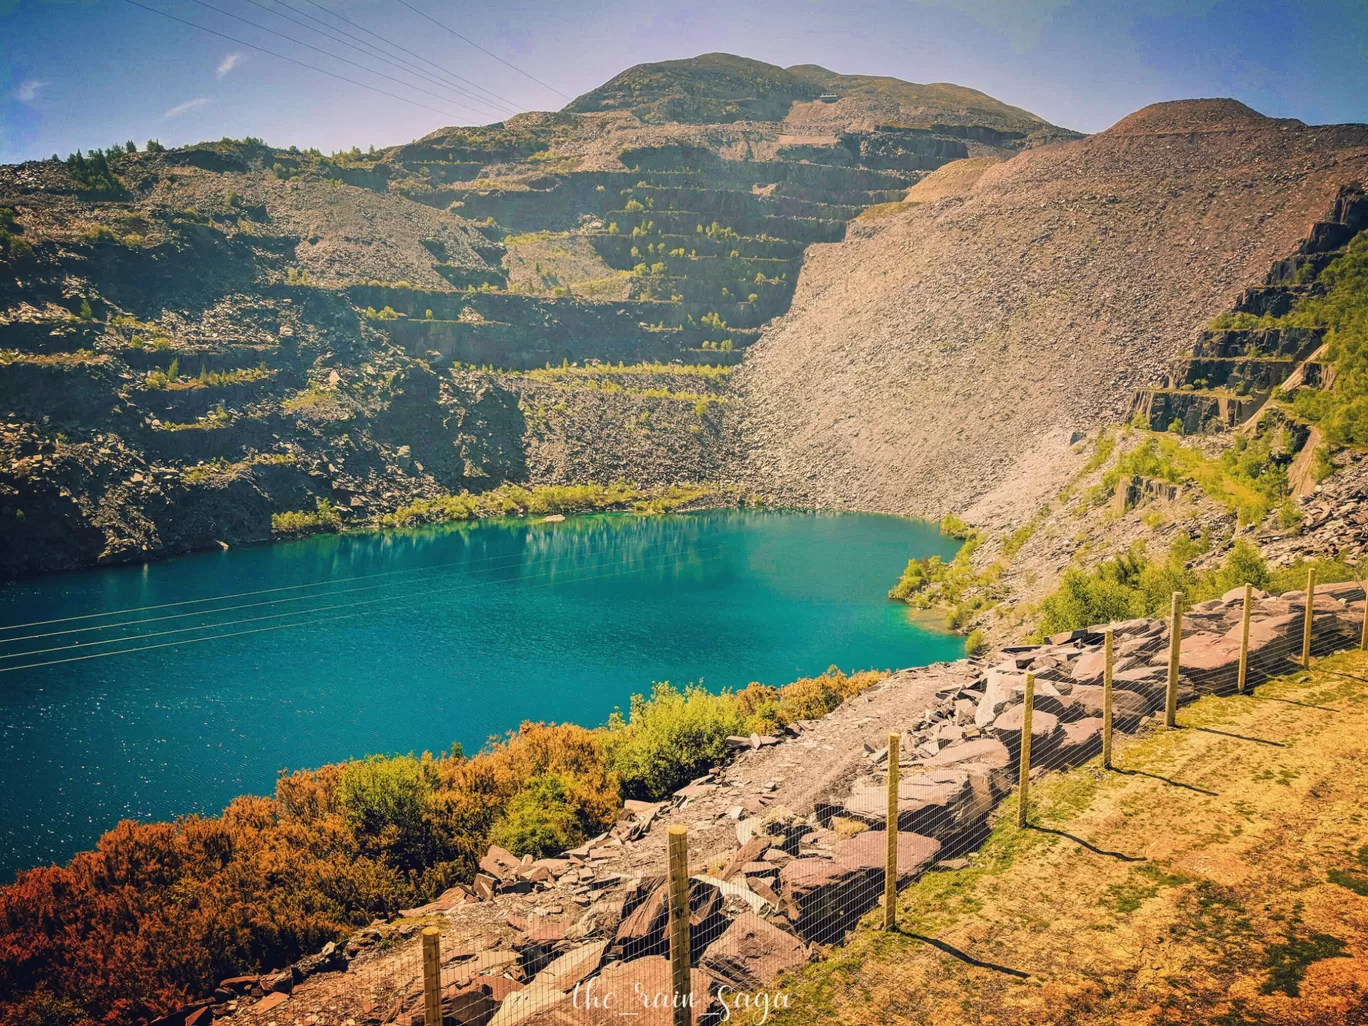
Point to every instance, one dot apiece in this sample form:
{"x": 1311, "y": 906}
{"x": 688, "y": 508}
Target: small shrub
{"x": 302, "y": 522}
{"x": 670, "y": 738}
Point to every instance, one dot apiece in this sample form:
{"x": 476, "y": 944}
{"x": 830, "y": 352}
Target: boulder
{"x": 1128, "y": 707}
{"x": 1344, "y": 591}
{"x": 271, "y": 1001}
{"x": 236, "y": 985}
{"x": 965, "y": 709}
{"x": 330, "y": 958}
{"x": 485, "y": 963}
{"x": 997, "y": 695}
{"x": 752, "y": 952}
{"x": 984, "y": 751}
{"x": 198, "y": 1013}
{"x": 1089, "y": 665}
{"x": 283, "y": 981}
{"x": 572, "y": 967}
{"x": 988, "y": 763}
{"x": 870, "y": 850}
{"x": 1211, "y": 662}
{"x": 750, "y": 851}
{"x": 644, "y": 931}
{"x": 471, "y": 1005}
{"x": 534, "y": 1005}
{"x": 500, "y": 862}
{"x": 1044, "y": 730}
{"x": 1149, "y": 682}
{"x": 1081, "y": 740}
{"x": 1271, "y": 643}
{"x": 824, "y": 898}
{"x": 499, "y": 987}
{"x": 938, "y": 803}
{"x": 1048, "y": 697}
{"x": 448, "y": 899}
{"x": 1136, "y": 648}
{"x": 1236, "y": 595}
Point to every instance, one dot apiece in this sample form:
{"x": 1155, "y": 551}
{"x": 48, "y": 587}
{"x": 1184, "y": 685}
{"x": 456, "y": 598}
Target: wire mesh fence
{"x": 708, "y": 941}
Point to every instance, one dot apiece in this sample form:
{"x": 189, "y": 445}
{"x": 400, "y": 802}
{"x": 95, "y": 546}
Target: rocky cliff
{"x": 955, "y": 344}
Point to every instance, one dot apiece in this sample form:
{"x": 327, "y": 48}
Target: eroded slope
{"x": 956, "y": 345}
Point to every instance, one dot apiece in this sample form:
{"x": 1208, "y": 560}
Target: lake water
{"x": 315, "y": 651}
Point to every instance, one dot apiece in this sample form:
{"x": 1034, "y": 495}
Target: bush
{"x": 324, "y": 519}
{"x": 93, "y": 174}
{"x": 670, "y": 738}
{"x": 543, "y": 819}
{"x": 1135, "y": 585}
{"x": 385, "y": 803}
{"x": 976, "y": 643}
{"x": 767, "y": 709}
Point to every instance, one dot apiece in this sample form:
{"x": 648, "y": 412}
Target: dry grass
{"x": 1222, "y": 879}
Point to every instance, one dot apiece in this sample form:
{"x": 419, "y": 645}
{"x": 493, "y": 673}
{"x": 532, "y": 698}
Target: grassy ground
{"x": 1219, "y": 877}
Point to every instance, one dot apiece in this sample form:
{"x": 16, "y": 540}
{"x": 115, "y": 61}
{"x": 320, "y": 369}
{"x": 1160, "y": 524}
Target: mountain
{"x": 954, "y": 345}
{"x": 195, "y": 343}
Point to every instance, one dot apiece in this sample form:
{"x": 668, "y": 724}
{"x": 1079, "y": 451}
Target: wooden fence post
{"x": 1175, "y": 646}
{"x": 1024, "y": 781}
{"x": 1107, "y": 642}
{"x": 1363, "y": 638}
{"x": 1306, "y": 623}
{"x": 1244, "y": 638}
{"x": 432, "y": 976}
{"x": 680, "y": 983}
{"x": 891, "y": 835}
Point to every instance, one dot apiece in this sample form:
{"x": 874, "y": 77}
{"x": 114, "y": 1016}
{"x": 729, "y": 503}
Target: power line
{"x": 344, "y": 605}
{"x": 336, "y": 57}
{"x": 477, "y": 46}
{"x": 495, "y": 563}
{"x": 292, "y": 60}
{"x": 403, "y": 49}
{"x": 378, "y": 55}
{"x": 240, "y": 594}
{"x": 307, "y": 623}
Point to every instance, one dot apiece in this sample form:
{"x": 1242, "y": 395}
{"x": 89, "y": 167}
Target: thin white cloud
{"x": 28, "y": 90}
{"x": 181, "y": 108}
{"x": 228, "y": 64}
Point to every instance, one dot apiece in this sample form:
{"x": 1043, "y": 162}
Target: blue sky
{"x": 82, "y": 73}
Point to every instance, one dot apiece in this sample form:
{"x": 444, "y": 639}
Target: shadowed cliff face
{"x": 952, "y": 346}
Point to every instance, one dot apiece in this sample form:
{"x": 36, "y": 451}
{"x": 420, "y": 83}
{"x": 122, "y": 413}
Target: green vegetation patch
{"x": 1137, "y": 584}
{"x": 1248, "y": 479}
{"x": 546, "y": 500}
{"x": 298, "y": 523}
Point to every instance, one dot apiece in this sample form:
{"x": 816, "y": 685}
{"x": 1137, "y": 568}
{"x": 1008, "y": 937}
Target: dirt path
{"x": 1219, "y": 877}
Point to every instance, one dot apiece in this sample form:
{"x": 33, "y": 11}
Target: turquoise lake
{"x": 315, "y": 651}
